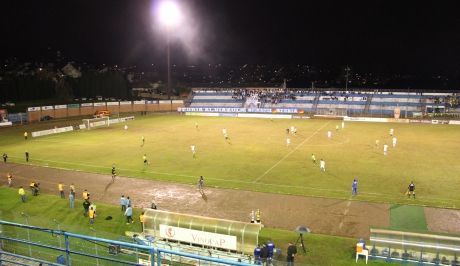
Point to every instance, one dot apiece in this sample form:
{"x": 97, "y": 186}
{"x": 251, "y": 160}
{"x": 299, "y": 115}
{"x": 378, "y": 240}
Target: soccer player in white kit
{"x": 126, "y": 127}
{"x": 329, "y": 134}
{"x": 292, "y": 130}
{"x": 385, "y": 149}
{"x": 322, "y": 165}
{"x": 224, "y": 131}
{"x": 288, "y": 142}
{"x": 392, "y": 131}
{"x": 394, "y": 141}
{"x": 343, "y": 125}
{"x": 193, "y": 150}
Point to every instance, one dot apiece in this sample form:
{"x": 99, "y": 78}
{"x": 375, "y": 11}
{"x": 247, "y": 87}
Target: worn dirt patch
{"x": 443, "y": 220}
{"x": 321, "y": 215}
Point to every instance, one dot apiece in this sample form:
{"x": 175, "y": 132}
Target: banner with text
{"x": 239, "y": 110}
{"x": 198, "y": 237}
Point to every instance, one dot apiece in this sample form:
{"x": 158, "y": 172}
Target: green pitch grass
{"x": 44, "y": 209}
{"x": 406, "y": 217}
{"x": 257, "y": 158}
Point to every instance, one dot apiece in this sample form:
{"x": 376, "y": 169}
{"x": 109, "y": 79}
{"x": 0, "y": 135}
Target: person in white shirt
{"x": 224, "y": 131}
{"x": 392, "y": 131}
{"x": 193, "y": 150}
{"x": 322, "y": 165}
{"x": 329, "y": 134}
{"x": 288, "y": 142}
{"x": 385, "y": 149}
{"x": 126, "y": 127}
{"x": 394, "y": 141}
{"x": 343, "y": 125}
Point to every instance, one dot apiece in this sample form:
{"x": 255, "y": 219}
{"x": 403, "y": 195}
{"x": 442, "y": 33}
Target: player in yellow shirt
{"x": 22, "y": 193}
{"x": 142, "y": 220}
{"x": 91, "y": 215}
{"x": 61, "y": 190}
{"x": 85, "y": 195}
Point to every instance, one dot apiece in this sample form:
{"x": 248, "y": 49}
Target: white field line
{"x": 345, "y": 212}
{"x": 368, "y": 194}
{"x": 289, "y": 153}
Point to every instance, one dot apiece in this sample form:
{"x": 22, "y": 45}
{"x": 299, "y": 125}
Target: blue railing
{"x": 154, "y": 254}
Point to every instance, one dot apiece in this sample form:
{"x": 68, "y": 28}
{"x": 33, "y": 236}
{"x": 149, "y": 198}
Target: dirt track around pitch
{"x": 321, "y": 215}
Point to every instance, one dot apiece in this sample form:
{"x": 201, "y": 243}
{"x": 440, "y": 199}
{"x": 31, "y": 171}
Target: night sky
{"x": 381, "y": 36}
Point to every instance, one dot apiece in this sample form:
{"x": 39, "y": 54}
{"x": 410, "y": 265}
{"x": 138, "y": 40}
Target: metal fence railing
{"x": 25, "y": 245}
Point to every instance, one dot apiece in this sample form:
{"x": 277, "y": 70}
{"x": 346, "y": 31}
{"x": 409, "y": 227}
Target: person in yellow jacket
{"x": 26, "y": 135}
{"x": 22, "y": 194}
{"x": 142, "y": 220}
{"x": 61, "y": 190}
{"x": 258, "y": 216}
{"x": 85, "y": 195}
{"x": 91, "y": 215}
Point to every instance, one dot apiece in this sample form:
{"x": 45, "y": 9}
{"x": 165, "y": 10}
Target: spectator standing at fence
{"x": 129, "y": 214}
{"x": 61, "y": 190}
{"x": 92, "y": 215}
{"x": 257, "y": 252}
{"x": 22, "y": 194}
{"x": 85, "y": 195}
{"x": 71, "y": 200}
{"x": 270, "y": 251}
{"x": 26, "y": 135}
{"x": 86, "y": 205}
{"x": 142, "y": 220}
{"x": 5, "y": 157}
{"x": 291, "y": 252}
{"x": 27, "y": 156}
{"x": 123, "y": 203}
{"x": 72, "y": 189}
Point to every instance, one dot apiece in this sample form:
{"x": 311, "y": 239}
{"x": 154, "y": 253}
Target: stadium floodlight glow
{"x": 169, "y": 13}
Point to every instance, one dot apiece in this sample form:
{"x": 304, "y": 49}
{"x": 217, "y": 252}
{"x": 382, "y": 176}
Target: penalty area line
{"x": 289, "y": 153}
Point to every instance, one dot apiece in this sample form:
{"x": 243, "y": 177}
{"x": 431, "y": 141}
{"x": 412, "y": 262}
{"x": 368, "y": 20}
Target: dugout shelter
{"x": 425, "y": 248}
{"x": 207, "y": 232}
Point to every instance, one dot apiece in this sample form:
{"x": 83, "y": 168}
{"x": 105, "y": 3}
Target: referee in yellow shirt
{"x": 61, "y": 190}
{"x": 22, "y": 193}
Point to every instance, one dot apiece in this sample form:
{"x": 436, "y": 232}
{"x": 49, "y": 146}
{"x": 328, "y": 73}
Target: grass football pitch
{"x": 256, "y": 156}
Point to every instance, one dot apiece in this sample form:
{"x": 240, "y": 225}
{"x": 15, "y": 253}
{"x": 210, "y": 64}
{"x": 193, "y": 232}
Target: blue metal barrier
{"x": 154, "y": 254}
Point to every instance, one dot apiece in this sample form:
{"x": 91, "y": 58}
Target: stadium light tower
{"x": 169, "y": 15}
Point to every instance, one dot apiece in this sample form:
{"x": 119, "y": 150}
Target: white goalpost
{"x": 96, "y": 122}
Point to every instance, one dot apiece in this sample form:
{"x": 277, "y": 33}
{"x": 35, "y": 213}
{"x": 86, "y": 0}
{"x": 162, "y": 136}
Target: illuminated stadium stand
{"x": 423, "y": 248}
{"x": 328, "y": 101}
{"x": 29, "y": 245}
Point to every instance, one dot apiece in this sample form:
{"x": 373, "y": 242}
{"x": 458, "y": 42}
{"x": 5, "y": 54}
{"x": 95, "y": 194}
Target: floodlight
{"x": 169, "y": 13}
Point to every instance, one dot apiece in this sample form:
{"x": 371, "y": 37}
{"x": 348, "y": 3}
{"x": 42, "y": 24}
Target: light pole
{"x": 347, "y": 69}
{"x": 169, "y": 15}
